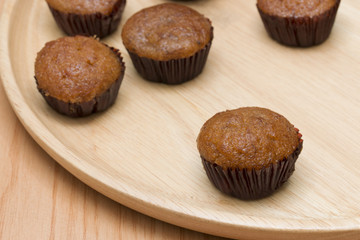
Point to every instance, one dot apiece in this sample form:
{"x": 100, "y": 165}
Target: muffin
{"x": 79, "y": 75}
{"x": 87, "y": 17}
{"x": 299, "y": 23}
{"x": 168, "y": 43}
{"x": 249, "y": 152}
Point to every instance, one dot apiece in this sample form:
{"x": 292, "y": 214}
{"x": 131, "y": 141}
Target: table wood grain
{"x": 41, "y": 200}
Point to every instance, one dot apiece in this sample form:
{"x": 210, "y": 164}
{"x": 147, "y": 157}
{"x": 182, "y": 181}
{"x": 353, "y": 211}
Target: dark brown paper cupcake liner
{"x": 174, "y": 71}
{"x": 252, "y": 184}
{"x": 300, "y": 31}
{"x": 96, "y": 24}
{"x": 97, "y": 104}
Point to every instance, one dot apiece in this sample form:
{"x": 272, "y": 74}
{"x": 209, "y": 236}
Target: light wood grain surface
{"x": 115, "y": 152}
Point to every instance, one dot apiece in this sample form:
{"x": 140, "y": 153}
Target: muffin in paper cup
{"x": 97, "y": 18}
{"x": 249, "y": 152}
{"x": 168, "y": 43}
{"x": 172, "y": 71}
{"x": 298, "y": 23}
{"x": 79, "y": 76}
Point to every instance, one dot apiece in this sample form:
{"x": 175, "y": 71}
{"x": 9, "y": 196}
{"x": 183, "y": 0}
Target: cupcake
{"x": 78, "y": 75}
{"x": 87, "y": 17}
{"x": 168, "y": 43}
{"x": 300, "y": 23}
{"x": 249, "y": 152}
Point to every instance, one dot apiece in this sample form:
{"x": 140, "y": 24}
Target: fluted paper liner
{"x": 300, "y": 31}
{"x": 173, "y": 71}
{"x": 251, "y": 184}
{"x": 96, "y": 24}
{"x": 97, "y": 104}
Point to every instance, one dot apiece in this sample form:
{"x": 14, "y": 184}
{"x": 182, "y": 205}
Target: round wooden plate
{"x": 142, "y": 152}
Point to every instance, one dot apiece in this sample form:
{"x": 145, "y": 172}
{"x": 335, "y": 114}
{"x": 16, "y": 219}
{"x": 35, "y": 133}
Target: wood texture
{"x": 142, "y": 152}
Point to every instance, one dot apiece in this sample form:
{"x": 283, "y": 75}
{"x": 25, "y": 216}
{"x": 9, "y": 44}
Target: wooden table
{"x": 40, "y": 200}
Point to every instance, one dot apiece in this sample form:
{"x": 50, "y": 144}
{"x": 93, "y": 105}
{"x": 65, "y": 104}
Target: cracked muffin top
{"x": 295, "y": 8}
{"x": 83, "y": 6}
{"x": 249, "y": 137}
{"x": 76, "y": 69}
{"x": 166, "y": 31}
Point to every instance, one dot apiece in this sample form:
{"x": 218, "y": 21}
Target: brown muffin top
{"x": 83, "y": 6}
{"x": 76, "y": 69}
{"x": 249, "y": 137}
{"x": 166, "y": 31}
{"x": 295, "y": 8}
